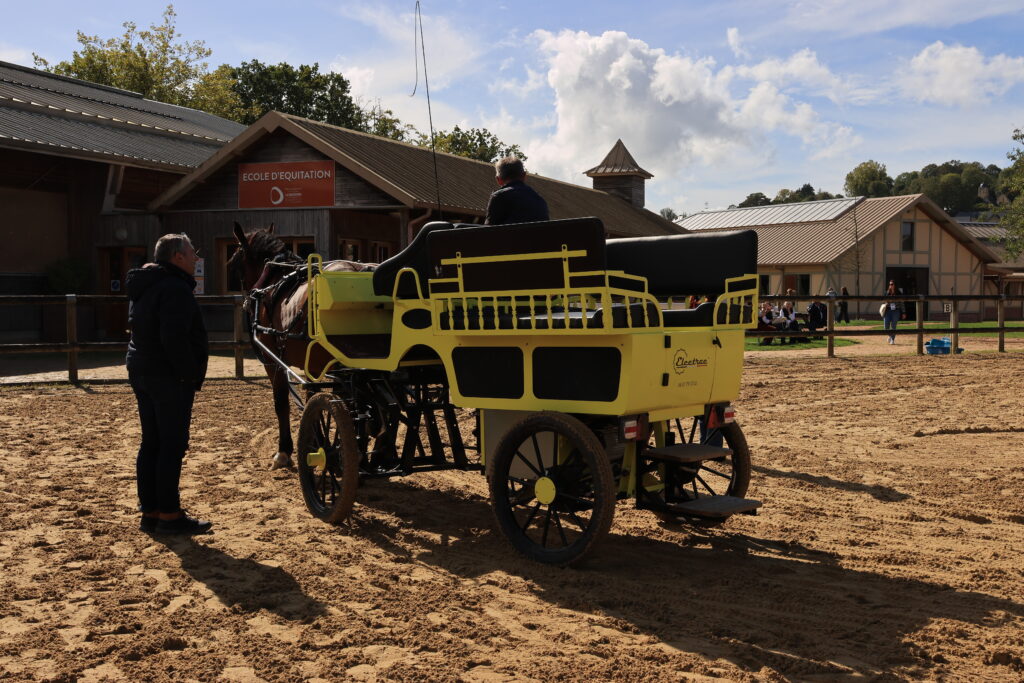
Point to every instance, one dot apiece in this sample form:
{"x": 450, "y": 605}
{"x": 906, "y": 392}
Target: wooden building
{"x": 345, "y": 194}
{"x": 860, "y": 244}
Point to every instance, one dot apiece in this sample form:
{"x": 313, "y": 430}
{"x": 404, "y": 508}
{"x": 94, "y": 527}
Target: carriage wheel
{"x": 552, "y": 489}
{"x": 328, "y": 458}
{"x": 725, "y": 476}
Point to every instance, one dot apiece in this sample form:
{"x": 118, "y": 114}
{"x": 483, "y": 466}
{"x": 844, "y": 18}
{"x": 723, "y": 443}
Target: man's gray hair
{"x": 509, "y": 168}
{"x": 169, "y": 245}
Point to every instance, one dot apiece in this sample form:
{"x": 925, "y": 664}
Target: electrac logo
{"x": 680, "y": 362}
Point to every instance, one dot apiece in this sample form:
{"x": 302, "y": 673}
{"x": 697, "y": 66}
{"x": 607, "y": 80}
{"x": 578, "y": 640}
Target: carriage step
{"x": 714, "y": 506}
{"x": 685, "y": 453}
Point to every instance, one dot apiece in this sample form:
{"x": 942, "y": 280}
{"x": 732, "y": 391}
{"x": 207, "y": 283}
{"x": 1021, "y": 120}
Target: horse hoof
{"x": 281, "y": 461}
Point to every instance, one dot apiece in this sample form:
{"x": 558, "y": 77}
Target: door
{"x": 909, "y": 280}
{"x": 114, "y": 264}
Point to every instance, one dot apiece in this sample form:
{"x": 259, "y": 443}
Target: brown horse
{"x": 276, "y": 303}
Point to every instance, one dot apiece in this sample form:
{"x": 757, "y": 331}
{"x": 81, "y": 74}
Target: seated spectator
{"x": 787, "y": 320}
{"x": 765, "y": 320}
{"x": 817, "y": 315}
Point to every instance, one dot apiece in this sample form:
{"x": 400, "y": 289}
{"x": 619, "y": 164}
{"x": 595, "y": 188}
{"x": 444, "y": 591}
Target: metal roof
{"x": 618, "y": 162}
{"x": 985, "y": 230}
{"x": 67, "y": 115}
{"x": 467, "y": 183}
{"x": 406, "y": 172}
{"x": 775, "y": 214}
{"x": 825, "y": 241}
{"x": 59, "y": 135}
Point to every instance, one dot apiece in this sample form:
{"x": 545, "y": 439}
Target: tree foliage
{"x": 868, "y": 179}
{"x": 668, "y": 214}
{"x": 755, "y": 199}
{"x": 475, "y": 143}
{"x": 300, "y": 90}
{"x": 1013, "y": 216}
{"x": 154, "y": 62}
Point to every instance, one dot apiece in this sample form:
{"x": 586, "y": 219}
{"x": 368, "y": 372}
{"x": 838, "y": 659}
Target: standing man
{"x": 167, "y": 358}
{"x": 515, "y": 202}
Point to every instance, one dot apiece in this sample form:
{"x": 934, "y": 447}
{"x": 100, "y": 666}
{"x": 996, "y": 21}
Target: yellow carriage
{"x": 589, "y": 383}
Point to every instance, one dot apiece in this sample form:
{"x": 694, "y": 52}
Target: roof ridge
{"x": 71, "y": 79}
{"x": 428, "y": 150}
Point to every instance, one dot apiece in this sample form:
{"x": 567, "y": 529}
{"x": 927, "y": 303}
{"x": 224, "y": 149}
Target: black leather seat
{"x": 414, "y": 256}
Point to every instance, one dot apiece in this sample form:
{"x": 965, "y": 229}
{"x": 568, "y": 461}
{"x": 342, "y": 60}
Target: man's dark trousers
{"x": 165, "y": 410}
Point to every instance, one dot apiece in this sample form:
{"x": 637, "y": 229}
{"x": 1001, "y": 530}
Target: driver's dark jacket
{"x": 168, "y": 337}
{"x": 516, "y": 202}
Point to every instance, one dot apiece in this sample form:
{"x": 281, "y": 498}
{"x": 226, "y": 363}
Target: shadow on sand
{"x": 754, "y": 601}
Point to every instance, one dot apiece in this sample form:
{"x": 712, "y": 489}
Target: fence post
{"x": 239, "y": 358}
{"x": 1001, "y": 318}
{"x": 920, "y": 326}
{"x": 831, "y": 329}
{"x": 71, "y": 307}
{"x": 954, "y": 322}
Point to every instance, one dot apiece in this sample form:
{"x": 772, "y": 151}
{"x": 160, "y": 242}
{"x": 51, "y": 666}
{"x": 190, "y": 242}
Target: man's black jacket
{"x": 516, "y": 202}
{"x": 168, "y": 334}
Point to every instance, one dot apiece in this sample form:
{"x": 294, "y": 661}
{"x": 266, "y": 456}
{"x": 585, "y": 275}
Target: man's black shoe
{"x": 148, "y": 524}
{"x": 183, "y": 525}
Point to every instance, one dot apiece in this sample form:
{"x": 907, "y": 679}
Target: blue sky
{"x": 717, "y": 100}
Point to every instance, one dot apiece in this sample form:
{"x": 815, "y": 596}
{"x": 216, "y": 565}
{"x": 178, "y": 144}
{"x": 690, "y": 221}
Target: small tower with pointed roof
{"x": 619, "y": 174}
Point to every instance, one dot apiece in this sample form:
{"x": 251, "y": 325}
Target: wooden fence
{"x": 952, "y": 301}
{"x": 72, "y": 347}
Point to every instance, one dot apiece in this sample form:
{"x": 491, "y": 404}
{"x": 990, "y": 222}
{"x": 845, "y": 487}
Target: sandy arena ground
{"x": 889, "y": 547}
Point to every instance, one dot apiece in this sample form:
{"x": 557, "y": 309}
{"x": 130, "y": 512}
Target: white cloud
{"x": 959, "y": 75}
{"x": 15, "y": 54}
{"x": 732, "y": 36}
{"x": 535, "y": 80}
{"x": 672, "y": 111}
{"x": 873, "y": 16}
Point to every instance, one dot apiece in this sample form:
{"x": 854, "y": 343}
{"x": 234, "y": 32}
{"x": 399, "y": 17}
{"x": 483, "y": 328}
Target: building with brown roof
{"x": 368, "y": 191}
{"x": 860, "y": 244}
{"x": 78, "y": 163}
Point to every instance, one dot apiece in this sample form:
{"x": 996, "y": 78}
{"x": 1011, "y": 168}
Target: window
{"x": 300, "y": 246}
{"x": 229, "y": 282}
{"x": 380, "y": 251}
{"x": 907, "y": 236}
{"x": 799, "y": 282}
{"x": 350, "y": 250}
{"x": 764, "y": 286}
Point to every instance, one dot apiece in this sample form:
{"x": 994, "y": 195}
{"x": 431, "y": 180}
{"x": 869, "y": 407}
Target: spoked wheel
{"x": 328, "y": 458}
{"x": 728, "y": 475}
{"x": 552, "y": 489}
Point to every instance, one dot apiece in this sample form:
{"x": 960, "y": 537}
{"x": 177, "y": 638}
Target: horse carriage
{"x": 588, "y": 385}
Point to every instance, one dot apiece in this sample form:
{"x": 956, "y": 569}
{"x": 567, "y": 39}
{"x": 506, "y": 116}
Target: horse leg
{"x": 283, "y": 458}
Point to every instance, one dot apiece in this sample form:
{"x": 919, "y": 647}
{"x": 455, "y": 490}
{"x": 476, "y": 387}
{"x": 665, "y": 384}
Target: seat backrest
{"x": 693, "y": 263}
{"x": 520, "y": 238}
{"x": 414, "y": 256}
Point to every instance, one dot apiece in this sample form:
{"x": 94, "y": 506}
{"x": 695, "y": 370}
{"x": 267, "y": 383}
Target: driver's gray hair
{"x": 509, "y": 168}
{"x": 169, "y": 245}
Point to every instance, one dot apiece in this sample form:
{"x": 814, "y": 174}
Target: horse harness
{"x": 270, "y": 296}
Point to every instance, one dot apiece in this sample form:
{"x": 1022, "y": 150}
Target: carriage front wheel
{"x": 552, "y": 488}
{"x": 328, "y": 458}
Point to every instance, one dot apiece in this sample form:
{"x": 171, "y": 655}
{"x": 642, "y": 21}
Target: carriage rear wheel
{"x": 328, "y": 458}
{"x": 728, "y": 475}
{"x": 552, "y": 489}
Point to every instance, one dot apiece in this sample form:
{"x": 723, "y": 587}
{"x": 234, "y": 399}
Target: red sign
{"x": 290, "y": 184}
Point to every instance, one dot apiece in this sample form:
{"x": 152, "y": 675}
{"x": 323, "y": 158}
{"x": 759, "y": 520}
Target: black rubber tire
{"x": 585, "y": 484}
{"x": 739, "y": 480}
{"x": 329, "y": 491}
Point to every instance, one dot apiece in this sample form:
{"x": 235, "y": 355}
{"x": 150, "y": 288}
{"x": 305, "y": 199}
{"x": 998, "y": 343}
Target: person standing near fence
{"x": 892, "y": 311}
{"x": 167, "y": 359}
{"x": 844, "y": 307}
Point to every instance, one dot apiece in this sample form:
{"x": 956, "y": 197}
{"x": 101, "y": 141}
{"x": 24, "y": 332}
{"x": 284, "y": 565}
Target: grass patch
{"x": 753, "y": 344}
{"x": 979, "y": 328}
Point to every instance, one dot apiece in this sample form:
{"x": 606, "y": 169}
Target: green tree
{"x": 868, "y": 179}
{"x": 383, "y": 122}
{"x": 1013, "y": 214}
{"x": 475, "y": 143}
{"x": 155, "y": 63}
{"x": 302, "y": 91}
{"x": 668, "y": 214}
{"x": 755, "y": 199}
